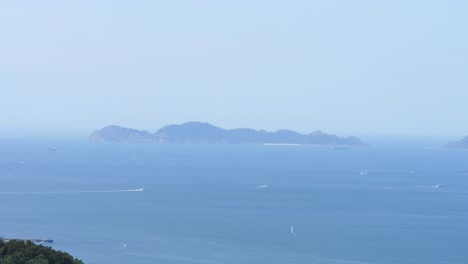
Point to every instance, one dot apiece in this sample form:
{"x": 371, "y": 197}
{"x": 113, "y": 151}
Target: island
{"x": 461, "y": 144}
{"x": 205, "y": 133}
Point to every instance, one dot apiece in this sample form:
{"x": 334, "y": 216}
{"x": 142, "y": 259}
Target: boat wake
{"x": 431, "y": 186}
{"x": 110, "y": 191}
{"x": 417, "y": 186}
{"x": 73, "y": 192}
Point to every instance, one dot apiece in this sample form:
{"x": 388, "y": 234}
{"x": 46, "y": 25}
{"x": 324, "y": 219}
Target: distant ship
{"x": 51, "y": 149}
{"x": 140, "y": 189}
{"x": 292, "y": 231}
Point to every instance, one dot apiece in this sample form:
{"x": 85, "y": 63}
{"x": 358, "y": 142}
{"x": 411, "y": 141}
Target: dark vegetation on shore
{"x": 26, "y": 252}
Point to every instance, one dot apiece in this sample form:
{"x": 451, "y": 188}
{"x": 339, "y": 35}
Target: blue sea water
{"x": 203, "y": 204}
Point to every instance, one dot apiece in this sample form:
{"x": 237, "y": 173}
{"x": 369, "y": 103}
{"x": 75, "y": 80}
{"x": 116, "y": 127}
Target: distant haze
{"x": 345, "y": 67}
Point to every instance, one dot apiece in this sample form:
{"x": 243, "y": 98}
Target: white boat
{"x": 292, "y": 231}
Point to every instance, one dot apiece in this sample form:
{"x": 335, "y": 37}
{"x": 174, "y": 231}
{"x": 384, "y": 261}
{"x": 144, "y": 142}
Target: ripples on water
{"x": 236, "y": 204}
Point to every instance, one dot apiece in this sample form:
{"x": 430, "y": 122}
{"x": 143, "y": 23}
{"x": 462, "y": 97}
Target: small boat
{"x": 292, "y": 231}
{"x": 51, "y": 149}
{"x": 42, "y": 241}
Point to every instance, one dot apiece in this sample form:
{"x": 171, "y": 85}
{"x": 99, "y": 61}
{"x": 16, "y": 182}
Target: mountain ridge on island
{"x": 205, "y": 133}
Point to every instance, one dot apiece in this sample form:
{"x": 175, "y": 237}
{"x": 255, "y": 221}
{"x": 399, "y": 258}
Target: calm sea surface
{"x": 236, "y": 204}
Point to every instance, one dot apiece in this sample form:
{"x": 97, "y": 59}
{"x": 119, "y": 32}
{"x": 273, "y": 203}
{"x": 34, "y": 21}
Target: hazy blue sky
{"x": 346, "y": 67}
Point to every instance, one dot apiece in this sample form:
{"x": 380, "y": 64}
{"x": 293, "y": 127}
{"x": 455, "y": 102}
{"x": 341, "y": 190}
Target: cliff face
{"x": 204, "y": 133}
{"x": 462, "y": 144}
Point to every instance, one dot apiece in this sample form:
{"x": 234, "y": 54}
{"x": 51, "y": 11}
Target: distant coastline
{"x": 461, "y": 144}
{"x": 205, "y": 133}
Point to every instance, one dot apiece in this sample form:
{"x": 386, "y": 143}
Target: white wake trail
{"x": 72, "y": 192}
